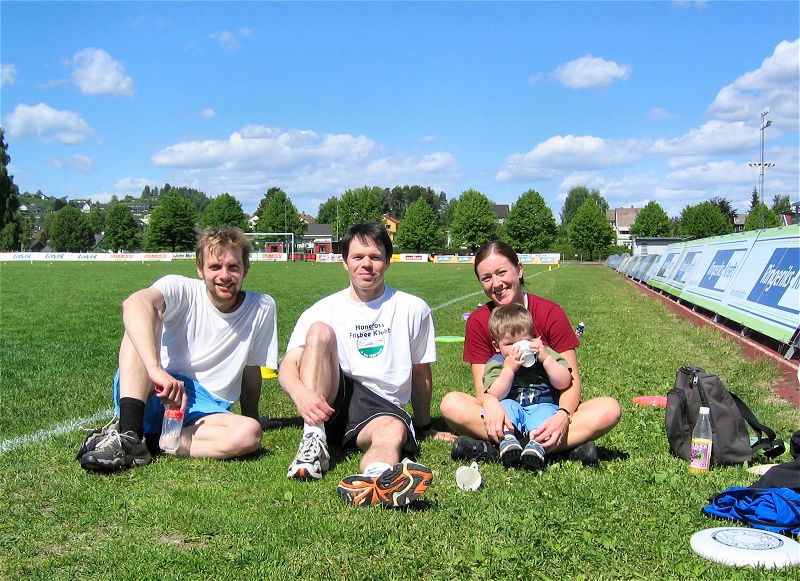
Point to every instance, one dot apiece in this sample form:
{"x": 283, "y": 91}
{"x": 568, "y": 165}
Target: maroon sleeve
{"x": 550, "y": 321}
{"x": 477, "y": 342}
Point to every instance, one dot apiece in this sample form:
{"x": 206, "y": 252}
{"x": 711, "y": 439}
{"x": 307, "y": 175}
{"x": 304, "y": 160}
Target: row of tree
{"x": 428, "y": 222}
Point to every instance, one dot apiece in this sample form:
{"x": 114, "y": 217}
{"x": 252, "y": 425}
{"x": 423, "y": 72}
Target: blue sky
{"x": 641, "y": 100}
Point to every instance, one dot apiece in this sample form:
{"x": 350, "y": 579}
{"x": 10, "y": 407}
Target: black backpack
{"x": 695, "y": 387}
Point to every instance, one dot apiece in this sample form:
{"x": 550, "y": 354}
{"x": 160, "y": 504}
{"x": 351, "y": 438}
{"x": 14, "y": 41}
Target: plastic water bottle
{"x": 701, "y": 443}
{"x": 579, "y": 329}
{"x": 171, "y": 429}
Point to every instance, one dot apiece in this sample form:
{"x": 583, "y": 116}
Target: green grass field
{"x": 631, "y": 517}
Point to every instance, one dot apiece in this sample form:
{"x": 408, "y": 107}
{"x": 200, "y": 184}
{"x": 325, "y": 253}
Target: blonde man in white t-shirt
{"x": 194, "y": 344}
{"x": 353, "y": 360}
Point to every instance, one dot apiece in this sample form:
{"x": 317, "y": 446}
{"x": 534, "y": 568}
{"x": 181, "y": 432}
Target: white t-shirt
{"x": 378, "y": 341}
{"x": 210, "y": 346}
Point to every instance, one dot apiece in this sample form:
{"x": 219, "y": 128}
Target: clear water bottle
{"x": 171, "y": 429}
{"x": 579, "y": 329}
{"x": 700, "y": 460}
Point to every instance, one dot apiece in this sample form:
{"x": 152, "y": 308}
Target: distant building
{"x": 501, "y": 211}
{"x": 391, "y": 224}
{"x": 140, "y": 210}
{"x": 307, "y": 219}
{"x": 317, "y": 239}
{"x": 738, "y": 222}
{"x": 84, "y": 206}
{"x": 647, "y": 245}
{"x": 621, "y": 220}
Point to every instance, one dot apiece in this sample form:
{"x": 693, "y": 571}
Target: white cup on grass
{"x": 468, "y": 478}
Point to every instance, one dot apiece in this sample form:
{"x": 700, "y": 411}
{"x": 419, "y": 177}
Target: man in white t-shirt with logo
{"x": 353, "y": 360}
{"x": 194, "y": 344}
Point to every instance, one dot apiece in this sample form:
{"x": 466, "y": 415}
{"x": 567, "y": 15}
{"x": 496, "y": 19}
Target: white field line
{"x": 42, "y": 435}
{"x": 465, "y": 297}
{"x": 90, "y": 421}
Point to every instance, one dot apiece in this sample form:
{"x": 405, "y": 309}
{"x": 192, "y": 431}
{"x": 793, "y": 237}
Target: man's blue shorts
{"x": 201, "y": 403}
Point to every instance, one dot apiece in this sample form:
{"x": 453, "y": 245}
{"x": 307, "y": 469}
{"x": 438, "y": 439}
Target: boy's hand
{"x": 513, "y": 360}
{"x": 538, "y": 347}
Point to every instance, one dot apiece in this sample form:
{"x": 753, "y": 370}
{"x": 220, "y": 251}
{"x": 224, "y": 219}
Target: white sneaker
{"x": 312, "y": 459}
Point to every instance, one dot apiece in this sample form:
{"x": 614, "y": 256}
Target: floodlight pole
{"x": 762, "y": 165}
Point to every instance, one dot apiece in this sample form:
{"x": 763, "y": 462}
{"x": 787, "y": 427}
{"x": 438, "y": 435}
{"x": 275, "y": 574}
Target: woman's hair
{"x": 501, "y": 248}
{"x": 513, "y": 319}
{"x": 218, "y": 240}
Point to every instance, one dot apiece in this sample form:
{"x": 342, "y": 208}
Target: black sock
{"x": 131, "y": 416}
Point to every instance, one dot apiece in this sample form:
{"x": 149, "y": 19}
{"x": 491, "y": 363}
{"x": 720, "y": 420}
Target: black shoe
{"x": 96, "y": 436}
{"x": 466, "y": 448}
{"x": 117, "y": 451}
{"x": 586, "y": 454}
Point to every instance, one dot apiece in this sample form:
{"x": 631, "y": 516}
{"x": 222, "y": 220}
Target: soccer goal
{"x": 273, "y": 243}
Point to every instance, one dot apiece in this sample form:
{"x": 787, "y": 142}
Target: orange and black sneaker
{"x": 398, "y": 486}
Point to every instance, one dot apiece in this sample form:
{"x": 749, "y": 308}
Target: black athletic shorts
{"x": 355, "y": 406}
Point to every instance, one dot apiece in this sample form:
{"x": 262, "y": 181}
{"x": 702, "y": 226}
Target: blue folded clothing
{"x": 771, "y": 509}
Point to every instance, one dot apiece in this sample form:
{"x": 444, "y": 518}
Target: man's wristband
{"x": 422, "y": 429}
{"x": 566, "y": 411}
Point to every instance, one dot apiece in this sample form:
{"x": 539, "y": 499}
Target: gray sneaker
{"x": 533, "y": 456}
{"x": 312, "y": 459}
{"x": 95, "y": 436}
{"x": 117, "y": 451}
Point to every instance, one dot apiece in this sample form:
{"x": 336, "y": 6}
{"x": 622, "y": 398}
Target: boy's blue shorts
{"x": 527, "y": 417}
{"x": 201, "y": 403}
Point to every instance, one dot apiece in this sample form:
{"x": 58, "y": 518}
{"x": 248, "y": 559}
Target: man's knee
{"x": 385, "y": 431}
{"x": 320, "y": 335}
{"x": 245, "y": 437}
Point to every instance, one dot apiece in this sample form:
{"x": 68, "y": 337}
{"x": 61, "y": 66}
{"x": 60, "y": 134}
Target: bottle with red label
{"x": 701, "y": 443}
{"x": 171, "y": 429}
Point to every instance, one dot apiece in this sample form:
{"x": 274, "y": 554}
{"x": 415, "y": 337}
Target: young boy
{"x": 527, "y": 393}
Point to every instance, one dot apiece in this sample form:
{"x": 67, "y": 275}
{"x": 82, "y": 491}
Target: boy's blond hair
{"x": 513, "y": 319}
{"x": 220, "y": 239}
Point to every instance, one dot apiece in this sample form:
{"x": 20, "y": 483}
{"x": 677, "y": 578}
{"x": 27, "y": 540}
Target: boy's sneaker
{"x": 533, "y": 456}
{"x": 312, "y": 459}
{"x": 95, "y": 436}
{"x": 116, "y": 451}
{"x": 466, "y": 448}
{"x": 510, "y": 451}
{"x": 398, "y": 486}
{"x": 586, "y": 454}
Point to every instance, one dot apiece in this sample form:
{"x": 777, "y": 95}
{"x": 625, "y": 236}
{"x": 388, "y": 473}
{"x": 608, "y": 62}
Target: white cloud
{"x": 301, "y": 161}
{"x": 133, "y": 186}
{"x": 569, "y": 152}
{"x": 8, "y": 75}
{"x": 229, "y": 40}
{"x": 96, "y": 73}
{"x": 659, "y": 114}
{"x": 776, "y": 83}
{"x": 591, "y": 72}
{"x": 47, "y": 124}
{"x": 75, "y": 163}
{"x": 208, "y": 113}
{"x": 712, "y": 138}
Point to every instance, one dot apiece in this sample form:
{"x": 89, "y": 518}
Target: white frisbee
{"x": 740, "y": 546}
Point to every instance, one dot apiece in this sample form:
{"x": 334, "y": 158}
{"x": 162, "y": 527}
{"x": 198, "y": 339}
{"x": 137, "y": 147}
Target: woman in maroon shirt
{"x": 499, "y": 271}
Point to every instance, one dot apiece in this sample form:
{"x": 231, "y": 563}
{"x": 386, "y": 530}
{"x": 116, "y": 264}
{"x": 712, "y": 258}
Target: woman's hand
{"x": 552, "y": 431}
{"x": 495, "y": 418}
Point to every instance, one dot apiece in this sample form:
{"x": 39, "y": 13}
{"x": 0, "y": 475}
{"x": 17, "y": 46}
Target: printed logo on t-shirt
{"x": 370, "y": 339}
